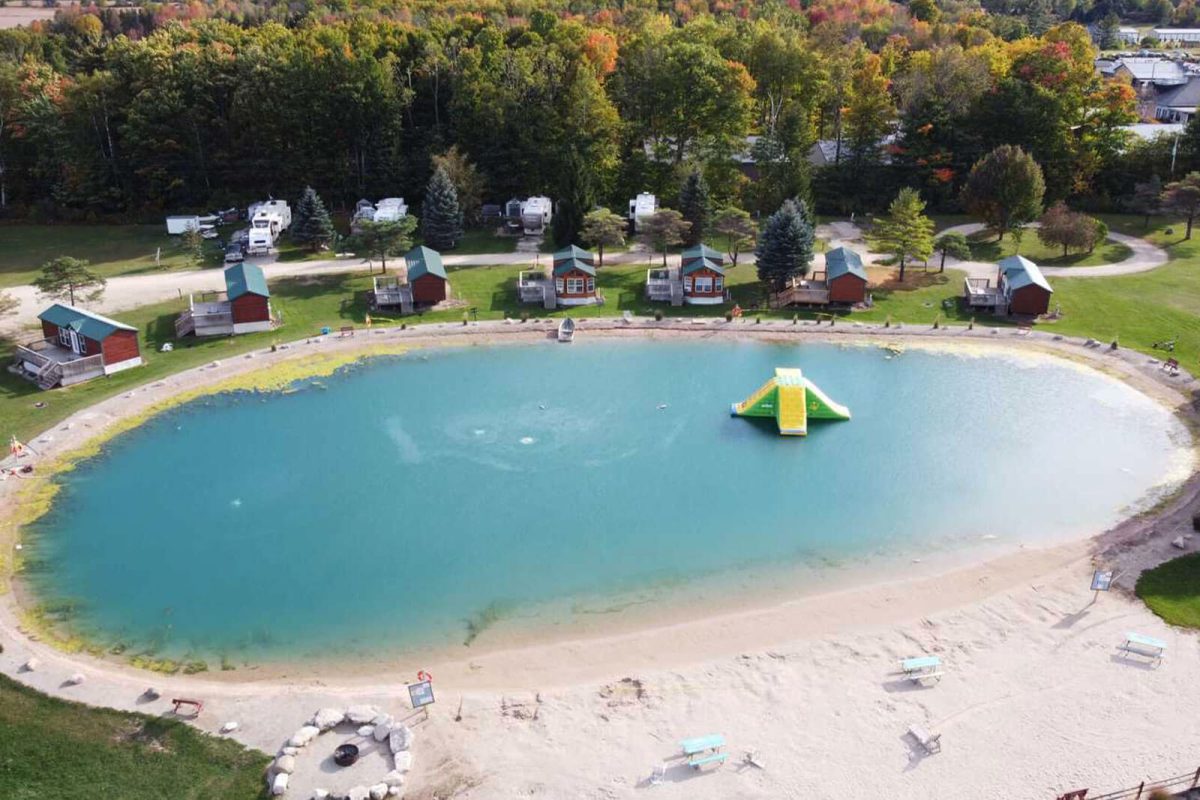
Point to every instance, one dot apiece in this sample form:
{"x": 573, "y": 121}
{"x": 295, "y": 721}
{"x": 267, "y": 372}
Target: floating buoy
{"x": 661, "y": 406}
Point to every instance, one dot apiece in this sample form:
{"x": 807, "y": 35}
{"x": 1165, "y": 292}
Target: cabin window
{"x": 64, "y": 337}
{"x": 591, "y": 284}
{"x": 687, "y": 284}
{"x": 718, "y": 284}
{"x": 574, "y": 285}
{"x": 558, "y": 285}
{"x": 704, "y": 285}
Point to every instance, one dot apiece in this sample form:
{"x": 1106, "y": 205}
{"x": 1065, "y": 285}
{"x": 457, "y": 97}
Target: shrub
{"x": 658, "y": 315}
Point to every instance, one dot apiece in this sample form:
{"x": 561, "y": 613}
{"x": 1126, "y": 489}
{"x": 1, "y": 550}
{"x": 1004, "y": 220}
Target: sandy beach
{"x": 1036, "y": 699}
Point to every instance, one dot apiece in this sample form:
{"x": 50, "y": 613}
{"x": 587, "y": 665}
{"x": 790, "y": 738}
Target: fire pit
{"x": 345, "y": 755}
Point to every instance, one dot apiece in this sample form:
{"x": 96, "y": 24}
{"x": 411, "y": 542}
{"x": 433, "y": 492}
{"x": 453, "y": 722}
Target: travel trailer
{"x": 536, "y": 213}
{"x": 260, "y": 241}
{"x": 640, "y": 207}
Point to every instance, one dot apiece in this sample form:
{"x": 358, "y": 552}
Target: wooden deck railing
{"x": 1177, "y": 784}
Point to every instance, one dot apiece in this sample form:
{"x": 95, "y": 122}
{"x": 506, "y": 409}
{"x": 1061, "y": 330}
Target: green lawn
{"x": 984, "y": 247}
{"x": 111, "y": 249}
{"x": 1172, "y": 590}
{"x": 53, "y": 750}
{"x": 1138, "y": 310}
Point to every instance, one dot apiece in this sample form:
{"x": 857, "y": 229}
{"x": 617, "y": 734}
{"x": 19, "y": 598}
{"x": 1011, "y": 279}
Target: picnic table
{"x": 704, "y": 750}
{"x": 922, "y": 668}
{"x": 1137, "y": 644}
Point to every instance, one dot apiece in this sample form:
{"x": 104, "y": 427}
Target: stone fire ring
{"x": 372, "y": 722}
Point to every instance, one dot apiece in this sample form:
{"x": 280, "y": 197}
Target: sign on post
{"x": 421, "y": 694}
{"x": 1102, "y": 580}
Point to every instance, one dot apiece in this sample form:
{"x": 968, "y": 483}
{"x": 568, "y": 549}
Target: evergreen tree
{"x": 70, "y": 279}
{"x": 906, "y": 232}
{"x": 695, "y": 206}
{"x": 785, "y": 247}
{"x": 575, "y": 202}
{"x": 442, "y": 219}
{"x": 312, "y": 226}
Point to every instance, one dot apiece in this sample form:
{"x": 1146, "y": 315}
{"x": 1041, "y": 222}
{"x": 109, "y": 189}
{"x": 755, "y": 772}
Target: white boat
{"x": 566, "y": 330}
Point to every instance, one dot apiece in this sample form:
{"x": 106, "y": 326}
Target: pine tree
{"x": 695, "y": 206}
{"x": 785, "y": 247}
{"x": 442, "y": 219}
{"x": 576, "y": 200}
{"x": 312, "y": 225}
{"x": 906, "y": 232}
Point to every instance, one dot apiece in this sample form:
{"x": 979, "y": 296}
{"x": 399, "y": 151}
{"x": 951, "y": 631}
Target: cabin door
{"x": 76, "y": 343}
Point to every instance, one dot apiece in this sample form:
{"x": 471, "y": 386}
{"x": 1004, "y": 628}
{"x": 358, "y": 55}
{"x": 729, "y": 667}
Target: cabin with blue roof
{"x": 1020, "y": 289}
{"x": 422, "y": 281}
{"x": 77, "y": 345}
{"x": 244, "y": 306}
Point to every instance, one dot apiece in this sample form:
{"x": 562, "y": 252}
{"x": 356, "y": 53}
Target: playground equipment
{"x": 792, "y": 400}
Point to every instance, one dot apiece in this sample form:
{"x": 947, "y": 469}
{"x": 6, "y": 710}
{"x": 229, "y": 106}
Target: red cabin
{"x": 77, "y": 345}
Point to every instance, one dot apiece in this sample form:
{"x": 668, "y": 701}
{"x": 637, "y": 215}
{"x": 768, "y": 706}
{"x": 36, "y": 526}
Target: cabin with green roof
{"x": 426, "y": 276}
{"x": 843, "y": 281}
{"x": 570, "y": 281}
{"x": 1020, "y": 289}
{"x": 698, "y": 280}
{"x": 244, "y": 306}
{"x": 77, "y": 345}
{"x": 421, "y": 282}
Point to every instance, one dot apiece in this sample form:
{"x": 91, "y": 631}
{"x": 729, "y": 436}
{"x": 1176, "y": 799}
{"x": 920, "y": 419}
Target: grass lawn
{"x": 479, "y": 241}
{"x": 1136, "y": 309}
{"x": 56, "y": 749}
{"x": 984, "y": 247}
{"x": 111, "y": 249}
{"x": 1172, "y": 590}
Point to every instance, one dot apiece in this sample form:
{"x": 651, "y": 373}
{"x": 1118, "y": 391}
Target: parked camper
{"x": 512, "y": 215}
{"x": 390, "y": 209}
{"x": 641, "y": 207}
{"x": 266, "y": 209}
{"x": 260, "y": 242}
{"x": 536, "y": 213}
{"x": 177, "y": 226}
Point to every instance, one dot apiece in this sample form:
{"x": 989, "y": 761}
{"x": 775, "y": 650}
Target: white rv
{"x": 536, "y": 213}
{"x": 274, "y": 214}
{"x": 260, "y": 241}
{"x": 390, "y": 209}
{"x": 179, "y": 225}
{"x": 640, "y": 207}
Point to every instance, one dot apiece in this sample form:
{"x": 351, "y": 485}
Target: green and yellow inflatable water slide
{"x": 792, "y": 400}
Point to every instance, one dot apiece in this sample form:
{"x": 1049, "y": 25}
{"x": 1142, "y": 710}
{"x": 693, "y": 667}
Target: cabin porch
{"x": 980, "y": 293}
{"x": 803, "y": 292}
{"x": 48, "y": 364}
{"x": 391, "y": 291}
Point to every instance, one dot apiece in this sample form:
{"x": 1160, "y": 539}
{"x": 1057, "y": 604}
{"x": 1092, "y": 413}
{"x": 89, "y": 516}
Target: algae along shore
{"x": 295, "y": 473}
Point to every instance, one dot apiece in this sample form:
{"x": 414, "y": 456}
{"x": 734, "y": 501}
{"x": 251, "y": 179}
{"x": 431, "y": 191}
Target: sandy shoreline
{"x": 726, "y": 671}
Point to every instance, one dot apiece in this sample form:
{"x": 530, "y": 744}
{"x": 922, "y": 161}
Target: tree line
{"x": 128, "y": 115}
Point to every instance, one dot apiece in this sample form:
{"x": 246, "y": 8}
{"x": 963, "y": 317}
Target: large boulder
{"x": 382, "y": 719}
{"x": 394, "y": 791}
{"x": 403, "y": 761}
{"x": 328, "y": 718}
{"x": 400, "y": 739}
{"x": 285, "y": 764}
{"x": 302, "y": 737}
{"x": 378, "y": 791}
{"x": 383, "y": 731}
{"x": 288, "y": 751}
{"x": 280, "y": 783}
{"x": 359, "y": 793}
{"x": 366, "y": 731}
{"x": 361, "y": 715}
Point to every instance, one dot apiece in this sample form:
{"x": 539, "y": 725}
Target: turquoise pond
{"x": 389, "y": 504}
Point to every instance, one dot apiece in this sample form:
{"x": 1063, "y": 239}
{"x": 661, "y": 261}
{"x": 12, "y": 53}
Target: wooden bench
{"x": 346, "y": 330}
{"x": 197, "y": 706}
